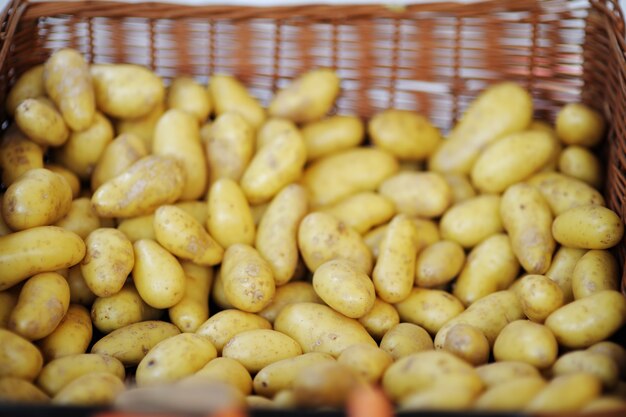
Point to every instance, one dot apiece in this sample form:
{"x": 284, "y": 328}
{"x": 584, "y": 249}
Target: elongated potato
{"x": 614, "y": 351}
{"x": 229, "y": 95}
{"x": 405, "y": 339}
{"x": 224, "y": 325}
{"x": 439, "y": 264}
{"x": 468, "y": 343}
{"x": 588, "y": 227}
{"x": 422, "y": 194}
{"x": 597, "y": 364}
{"x": 97, "y": 388}
{"x": 566, "y": 393}
{"x": 577, "y": 124}
{"x": 143, "y": 127}
{"x": 230, "y": 220}
{"x": 193, "y": 310}
{"x": 540, "y": 296}
{"x": 562, "y": 269}
{"x": 189, "y": 96}
{"x": 71, "y": 178}
{"x": 441, "y": 398}
{"x": 380, "y": 319}
{"x": 229, "y": 147}
{"x": 596, "y": 271}
{"x": 81, "y": 218}
{"x": 367, "y": 361}
{"x": 41, "y": 122}
{"x": 19, "y": 358}
{"x": 511, "y": 395}
{"x": 362, "y": 211}
{"x": 224, "y": 370}
{"x": 430, "y": 309}
{"x": 119, "y": 310}
{"x": 117, "y": 156}
{"x": 79, "y": 291}
{"x": 331, "y": 135}
{"x": 324, "y": 384}
{"x": 16, "y": 390}
{"x": 256, "y": 349}
{"x": 406, "y": 135}
{"x": 499, "y": 373}
{"x": 580, "y": 163}
{"x": 525, "y": 341}
{"x": 28, "y": 85}
{"x": 273, "y": 128}
{"x": 290, "y": 293}
{"x": 563, "y": 192}
{"x": 71, "y": 336}
{"x": 17, "y": 156}
{"x": 472, "y": 221}
{"x": 460, "y": 186}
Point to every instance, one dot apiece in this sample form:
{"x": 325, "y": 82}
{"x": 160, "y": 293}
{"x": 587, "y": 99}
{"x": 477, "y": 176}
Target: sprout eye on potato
{"x": 286, "y": 256}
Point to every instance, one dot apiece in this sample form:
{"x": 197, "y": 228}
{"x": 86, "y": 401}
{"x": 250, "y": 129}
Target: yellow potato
{"x": 72, "y": 335}
{"x": 611, "y": 349}
{"x": 596, "y": 271}
{"x": 499, "y": 373}
{"x": 308, "y": 98}
{"x": 17, "y": 156}
{"x": 539, "y": 296}
{"x": 273, "y": 128}
{"x": 367, "y": 361}
{"x": 499, "y": 110}
{"x": 578, "y": 162}
{"x": 318, "y": 328}
{"x": 341, "y": 174}
{"x": 142, "y": 127}
{"x": 373, "y": 238}
{"x": 224, "y": 325}
{"x": 15, "y": 390}
{"x": 193, "y": 310}
{"x": 126, "y": 91}
{"x": 429, "y": 308}
{"x": 406, "y": 135}
{"x": 175, "y": 358}
{"x": 405, "y": 339}
{"x": 230, "y": 219}
{"x": 119, "y": 310}
{"x": 129, "y": 344}
{"x": 588, "y": 320}
{"x": 139, "y": 227}
{"x": 380, "y": 319}
{"x": 117, "y": 156}
{"x": 189, "y": 96}
{"x": 229, "y": 95}
{"x": 81, "y": 218}
{"x": 37, "y": 198}
{"x": 97, "y": 388}
{"x": 256, "y": 349}
{"x": 324, "y": 384}
{"x": 58, "y": 373}
{"x": 285, "y": 399}
{"x": 526, "y": 341}
{"x": 363, "y": 210}
{"x": 562, "y": 269}
{"x": 440, "y": 398}
{"x": 566, "y": 394}
{"x": 79, "y": 291}
{"x": 604, "y": 404}
{"x": 19, "y": 358}
{"x": 491, "y": 266}
{"x": 422, "y": 194}
{"x": 157, "y": 274}
{"x": 229, "y": 147}
{"x": 8, "y": 300}
{"x": 226, "y": 370}
{"x": 439, "y": 264}
{"x": 256, "y": 402}
{"x": 563, "y": 193}
{"x": 41, "y": 122}
{"x": 472, "y": 221}
{"x": 588, "y": 227}
{"x": 601, "y": 366}
{"x": 468, "y": 343}
{"x": 331, "y": 135}
{"x": 322, "y": 237}
{"x": 527, "y": 218}
{"x": 460, "y": 186}
{"x": 28, "y": 85}
{"x": 511, "y": 395}
{"x": 577, "y": 124}
{"x": 217, "y": 292}
{"x": 71, "y": 178}
{"x": 290, "y": 293}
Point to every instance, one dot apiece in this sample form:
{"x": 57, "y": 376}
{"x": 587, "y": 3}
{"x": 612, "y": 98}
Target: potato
{"x": 588, "y": 227}
{"x": 177, "y": 135}
{"x": 339, "y": 175}
{"x": 256, "y": 402}
{"x": 228, "y": 371}
{"x": 129, "y": 344}
{"x": 562, "y": 269}
{"x": 498, "y": 111}
{"x": 139, "y": 227}
{"x": 71, "y": 178}
{"x": 147, "y": 184}
{"x": 28, "y": 85}
{"x": 439, "y": 264}
{"x": 491, "y": 266}
{"x": 472, "y": 221}
{"x": 217, "y": 292}
{"x": 79, "y": 291}
{"x": 468, "y": 343}
{"x": 37, "y": 198}
{"x": 373, "y": 238}
{"x": 563, "y": 193}
{"x": 380, "y": 319}
{"x": 499, "y": 373}
{"x": 193, "y": 310}
{"x": 224, "y": 325}
{"x": 97, "y": 388}
{"x": 15, "y": 390}
{"x": 229, "y": 95}
{"x": 290, "y": 293}
{"x": 363, "y": 210}
{"x": 588, "y": 320}
{"x": 405, "y": 339}
{"x": 331, "y": 135}
{"x": 406, "y": 135}
{"x": 566, "y": 393}
{"x": 596, "y": 271}
{"x": 273, "y": 128}
{"x": 8, "y": 300}
{"x": 322, "y": 237}
{"x": 229, "y": 220}
{"x": 601, "y": 366}
{"x": 308, "y": 98}
{"x": 17, "y": 156}
{"x": 157, "y": 274}
{"x": 318, "y": 328}
{"x": 369, "y": 362}
{"x": 440, "y": 398}
{"x": 511, "y": 159}
{"x": 460, "y": 187}
{"x": 511, "y": 395}
{"x": 142, "y": 127}
{"x": 41, "y": 122}
{"x": 126, "y": 91}
{"x": 526, "y": 341}
{"x": 256, "y": 349}
{"x": 175, "y": 358}
{"x": 285, "y": 399}
{"x": 119, "y": 310}
{"x": 606, "y": 403}
{"x": 324, "y": 384}
{"x": 422, "y": 194}
{"x": 187, "y": 95}
{"x": 229, "y": 147}
{"x": 429, "y": 308}
{"x": 19, "y": 358}
{"x": 344, "y": 287}
{"x": 539, "y": 296}
{"x": 117, "y": 156}
{"x": 578, "y": 162}
{"x": 81, "y": 218}
{"x": 71, "y": 336}
{"x": 612, "y": 350}
{"x": 58, "y": 373}
{"x": 527, "y": 218}
{"x": 577, "y": 124}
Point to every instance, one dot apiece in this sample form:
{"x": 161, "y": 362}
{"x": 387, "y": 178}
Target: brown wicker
{"x": 433, "y": 58}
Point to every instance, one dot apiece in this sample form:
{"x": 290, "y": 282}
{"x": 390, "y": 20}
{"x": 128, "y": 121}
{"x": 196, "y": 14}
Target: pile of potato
{"x": 458, "y": 273}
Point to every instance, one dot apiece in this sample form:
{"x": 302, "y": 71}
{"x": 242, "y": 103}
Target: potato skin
{"x": 380, "y": 319}
{"x": 540, "y": 296}
{"x": 562, "y": 269}
{"x": 18, "y": 155}
{"x": 256, "y": 349}
{"x": 229, "y": 95}
{"x": 588, "y": 227}
{"x": 577, "y": 124}
{"x": 81, "y": 218}
{"x": 290, "y": 293}
{"x": 582, "y": 164}
{"x": 597, "y": 364}
{"x": 421, "y": 194}
{"x": 193, "y": 309}
{"x": 229, "y": 220}
{"x": 229, "y": 146}
{"x": 469, "y": 343}
{"x": 41, "y": 122}
{"x": 511, "y": 395}
{"x": 189, "y": 96}
{"x": 119, "y": 310}
{"x": 566, "y": 393}
{"x": 526, "y": 341}
{"x": 429, "y": 308}
{"x": 228, "y": 371}
{"x": 472, "y": 221}
{"x": 28, "y": 85}
{"x": 596, "y": 271}
{"x": 439, "y": 264}
{"x": 19, "y": 358}
{"x": 331, "y": 135}
{"x": 97, "y": 388}
{"x": 405, "y": 339}
{"x": 563, "y": 193}
{"x": 71, "y": 336}
{"x": 405, "y": 134}
{"x": 143, "y": 127}
{"x": 497, "y": 373}
{"x": 16, "y": 390}
{"x": 363, "y": 210}
{"x": 224, "y": 325}
{"x": 367, "y": 361}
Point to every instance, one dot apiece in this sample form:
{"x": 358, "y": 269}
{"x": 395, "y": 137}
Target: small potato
{"x": 439, "y": 264}
{"x": 367, "y": 361}
{"x": 119, "y": 310}
{"x": 380, "y": 319}
{"x": 81, "y": 218}
{"x": 601, "y": 366}
{"x": 612, "y": 350}
{"x": 322, "y": 237}
{"x": 539, "y": 296}
{"x": 15, "y": 390}
{"x": 491, "y": 266}
{"x": 373, "y": 238}
{"x": 230, "y": 220}
{"x": 577, "y": 124}
{"x": 229, "y": 147}
{"x": 139, "y": 227}
{"x": 578, "y": 162}
{"x": 525, "y": 341}
{"x": 422, "y": 194}
{"x": 147, "y": 184}
{"x": 460, "y": 186}
{"x": 472, "y": 221}
{"x": 290, "y": 293}
{"x": 256, "y": 349}
{"x": 72, "y": 335}
{"x": 499, "y": 373}
{"x": 273, "y": 128}
{"x": 563, "y": 193}
{"x": 429, "y": 308}
{"x": 229, "y": 95}
{"x": 28, "y": 85}
{"x": 189, "y": 96}
{"x": 157, "y": 274}
{"x": 79, "y": 291}
{"x": 344, "y": 287}
{"x": 17, "y": 156}
{"x": 308, "y": 98}
{"x": 41, "y": 122}
{"x": 596, "y": 271}
{"x": 527, "y": 218}
{"x": 193, "y": 310}
{"x": 562, "y": 269}
{"x": 129, "y": 344}
{"x": 441, "y": 398}
{"x": 566, "y": 393}
{"x": 318, "y": 328}
{"x": 117, "y": 156}
{"x": 142, "y": 127}
{"x": 588, "y": 227}
{"x": 126, "y": 91}
{"x": 511, "y": 395}
{"x": 108, "y": 261}
{"x": 341, "y": 174}
{"x": 363, "y": 210}
{"x": 228, "y": 371}
{"x": 37, "y": 198}
{"x": 324, "y": 384}
{"x": 247, "y": 278}
{"x": 405, "y": 339}
{"x": 468, "y": 343}
{"x": 406, "y": 135}
{"x": 175, "y": 358}
{"x": 331, "y": 135}
{"x": 224, "y": 325}
{"x": 71, "y": 178}
{"x": 58, "y": 373}
{"x": 217, "y": 292}
{"x": 8, "y": 300}
{"x": 19, "y": 358}
{"x": 97, "y": 388}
